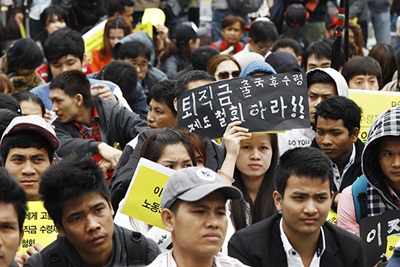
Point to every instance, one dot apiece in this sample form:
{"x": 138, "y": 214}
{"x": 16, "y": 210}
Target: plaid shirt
{"x": 379, "y": 198}
{"x": 95, "y": 124}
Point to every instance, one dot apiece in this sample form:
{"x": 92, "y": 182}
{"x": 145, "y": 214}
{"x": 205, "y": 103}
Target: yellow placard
{"x": 391, "y": 244}
{"x": 94, "y": 39}
{"x": 332, "y": 217}
{"x": 153, "y": 15}
{"x": 144, "y": 193}
{"x": 38, "y": 227}
{"x": 22, "y": 30}
{"x": 146, "y": 27}
{"x": 372, "y": 104}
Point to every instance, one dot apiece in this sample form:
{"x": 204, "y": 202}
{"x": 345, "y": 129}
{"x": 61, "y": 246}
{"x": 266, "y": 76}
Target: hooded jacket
{"x": 303, "y": 137}
{"x": 385, "y": 124}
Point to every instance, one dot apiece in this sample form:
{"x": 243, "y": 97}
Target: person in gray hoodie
{"x": 322, "y": 83}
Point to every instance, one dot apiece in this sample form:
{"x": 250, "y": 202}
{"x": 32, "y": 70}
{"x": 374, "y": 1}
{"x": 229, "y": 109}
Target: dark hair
{"x": 164, "y": 91}
{"x": 261, "y": 31}
{"x": 25, "y": 139}
{"x": 6, "y": 116}
{"x": 123, "y": 74}
{"x": 153, "y": 147}
{"x": 70, "y": 179}
{"x": 30, "y": 97}
{"x": 214, "y": 62}
{"x": 118, "y": 6}
{"x": 201, "y": 56}
{"x": 232, "y": 19}
{"x": 192, "y": 76}
{"x": 197, "y": 144}
{"x": 319, "y": 76}
{"x": 362, "y": 66}
{"x": 287, "y": 42}
{"x": 134, "y": 49}
{"x": 319, "y": 49}
{"x": 12, "y": 193}
{"x": 263, "y": 206}
{"x": 10, "y": 103}
{"x": 48, "y": 15}
{"x": 23, "y": 54}
{"x": 118, "y": 22}
{"x": 340, "y": 107}
{"x": 297, "y": 34}
{"x": 73, "y": 82}
{"x": 62, "y": 43}
{"x": 303, "y": 162}
{"x": 385, "y": 55}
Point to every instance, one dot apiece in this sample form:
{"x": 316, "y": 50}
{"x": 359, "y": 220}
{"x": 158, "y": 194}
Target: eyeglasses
{"x": 141, "y": 65}
{"x": 223, "y": 75}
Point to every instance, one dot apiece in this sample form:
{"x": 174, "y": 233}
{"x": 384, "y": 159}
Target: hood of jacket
{"x": 385, "y": 124}
{"x": 341, "y": 84}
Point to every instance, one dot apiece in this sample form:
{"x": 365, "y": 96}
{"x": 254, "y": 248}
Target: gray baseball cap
{"x": 193, "y": 183}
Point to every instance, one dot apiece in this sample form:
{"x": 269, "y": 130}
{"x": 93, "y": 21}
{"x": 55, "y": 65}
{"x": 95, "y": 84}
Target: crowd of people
{"x": 74, "y": 126}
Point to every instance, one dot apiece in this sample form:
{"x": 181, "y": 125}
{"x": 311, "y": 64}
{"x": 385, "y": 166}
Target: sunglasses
{"x": 223, "y": 75}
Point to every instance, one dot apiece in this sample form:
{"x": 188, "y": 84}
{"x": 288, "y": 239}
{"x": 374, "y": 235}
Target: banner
{"x": 263, "y": 103}
{"x": 38, "y": 227}
{"x": 144, "y": 192}
{"x": 94, "y": 39}
{"x": 372, "y": 104}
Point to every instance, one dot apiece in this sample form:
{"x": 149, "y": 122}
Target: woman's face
{"x": 115, "y": 35}
{"x": 226, "y": 70}
{"x": 255, "y": 156}
{"x": 54, "y": 24}
{"x": 30, "y": 108}
{"x": 175, "y": 156}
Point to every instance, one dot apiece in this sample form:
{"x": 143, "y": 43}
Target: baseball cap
{"x": 193, "y": 183}
{"x": 33, "y": 123}
{"x": 188, "y": 30}
{"x": 296, "y": 15}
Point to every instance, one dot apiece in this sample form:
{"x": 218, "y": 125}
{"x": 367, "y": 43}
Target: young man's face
{"x": 27, "y": 165}
{"x": 160, "y": 115}
{"x": 198, "y": 228}
{"x": 10, "y": 234}
{"x": 128, "y": 12}
{"x": 65, "y": 63}
{"x": 66, "y": 108}
{"x": 233, "y": 33}
{"x": 141, "y": 64}
{"x": 304, "y": 206}
{"x": 317, "y": 93}
{"x": 389, "y": 160}
{"x": 334, "y": 139}
{"x": 313, "y": 62}
{"x": 87, "y": 223}
{"x": 364, "y": 82}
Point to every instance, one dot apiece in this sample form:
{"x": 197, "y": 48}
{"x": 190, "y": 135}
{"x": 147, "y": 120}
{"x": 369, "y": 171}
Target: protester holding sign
{"x": 251, "y": 159}
{"x": 172, "y": 149}
{"x": 381, "y": 168}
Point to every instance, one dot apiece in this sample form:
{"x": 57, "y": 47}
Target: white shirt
{"x": 166, "y": 259}
{"x": 337, "y": 178}
{"x": 294, "y": 258}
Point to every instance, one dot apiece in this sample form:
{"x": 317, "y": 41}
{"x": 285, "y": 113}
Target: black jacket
{"x": 260, "y": 245}
{"x": 354, "y": 171}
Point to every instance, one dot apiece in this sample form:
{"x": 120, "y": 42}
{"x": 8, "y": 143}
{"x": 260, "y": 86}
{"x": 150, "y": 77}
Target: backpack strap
{"x": 359, "y": 190}
{"x": 136, "y": 247}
